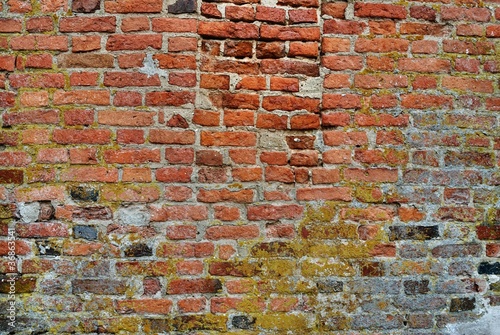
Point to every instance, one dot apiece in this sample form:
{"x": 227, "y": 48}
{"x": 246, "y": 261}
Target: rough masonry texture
{"x": 251, "y": 166}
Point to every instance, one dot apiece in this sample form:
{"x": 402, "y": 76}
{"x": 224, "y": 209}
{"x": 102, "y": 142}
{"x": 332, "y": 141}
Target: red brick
{"x": 289, "y": 67}
{"x": 274, "y": 158}
{"x": 380, "y": 81}
{"x": 339, "y": 156}
{"x": 43, "y": 193}
{"x": 343, "y": 27}
{"x": 87, "y": 136}
{"x": 32, "y": 117}
{"x": 324, "y": 193}
{"x": 174, "y": 25}
{"x": 304, "y": 158}
{"x": 468, "y": 84}
{"x": 210, "y": 10}
{"x": 82, "y": 97}
{"x": 89, "y": 174}
{"x": 469, "y": 14}
{"x": 75, "y": 117}
{"x": 431, "y": 65}
{"x": 274, "y": 212}
{"x": 423, "y": 101}
{"x": 14, "y": 158}
{"x": 133, "y": 42}
{"x": 176, "y": 44}
{"x": 104, "y": 24}
{"x": 238, "y": 30}
{"x": 138, "y": 23}
{"x": 180, "y": 212}
{"x": 335, "y": 137}
{"x": 270, "y": 14}
{"x": 124, "y": 79}
{"x": 252, "y": 83}
{"x": 302, "y": 16}
{"x": 232, "y": 232}
{"x": 238, "y": 118}
{"x": 225, "y": 195}
{"x": 225, "y": 213}
{"x": 424, "y": 47}
{"x": 334, "y": 9}
{"x": 237, "y": 13}
{"x": 134, "y": 6}
{"x": 305, "y": 121}
{"x": 174, "y": 174}
{"x": 170, "y": 98}
{"x": 382, "y": 27}
{"x": 47, "y": 80}
{"x": 164, "y": 136}
{"x": 379, "y": 10}
{"x": 10, "y": 25}
{"x": 340, "y": 63}
{"x": 290, "y": 103}
{"x": 83, "y": 156}
{"x": 127, "y": 98}
{"x": 131, "y": 156}
{"x": 467, "y": 47}
{"x": 372, "y": 175}
{"x": 42, "y": 230}
{"x": 84, "y": 79}
{"x": 381, "y": 45}
{"x": 282, "y": 174}
{"x": 341, "y": 101}
{"x": 272, "y": 121}
{"x": 236, "y": 138}
{"x": 128, "y": 193}
{"x": 413, "y": 28}
{"x": 191, "y": 305}
{"x": 138, "y": 175}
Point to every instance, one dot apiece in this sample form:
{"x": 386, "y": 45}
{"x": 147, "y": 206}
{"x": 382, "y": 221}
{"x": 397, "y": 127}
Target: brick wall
{"x": 250, "y": 167}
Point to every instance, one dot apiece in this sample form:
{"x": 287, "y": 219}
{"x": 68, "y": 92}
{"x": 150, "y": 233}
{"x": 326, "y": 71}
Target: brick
{"x": 466, "y": 84}
{"x": 133, "y": 42}
{"x": 171, "y": 137}
{"x": 340, "y": 63}
{"x": 335, "y": 138}
{"x": 341, "y": 101}
{"x": 343, "y": 27}
{"x": 290, "y": 103}
{"x": 228, "y": 138}
{"x": 125, "y": 118}
{"x": 128, "y": 193}
{"x": 252, "y": 83}
{"x": 89, "y": 136}
{"x": 82, "y": 97}
{"x": 85, "y": 24}
{"x": 238, "y": 30}
{"x": 274, "y": 212}
{"x": 379, "y": 10}
{"x": 466, "y": 47}
{"x": 123, "y": 79}
{"x": 270, "y": 14}
{"x": 174, "y": 174}
{"x": 371, "y": 175}
{"x": 169, "y": 98}
{"x": 123, "y": 6}
{"x": 431, "y": 65}
{"x": 55, "y": 80}
{"x": 85, "y": 6}
{"x": 332, "y": 194}
{"x": 174, "y": 25}
{"x": 225, "y": 195}
{"x": 334, "y": 9}
{"x": 382, "y": 81}
{"x": 381, "y": 45}
{"x": 423, "y": 13}
{"x": 289, "y": 67}
{"x": 184, "y": 286}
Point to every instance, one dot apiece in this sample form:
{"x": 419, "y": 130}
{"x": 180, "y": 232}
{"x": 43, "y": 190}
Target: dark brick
{"x": 413, "y": 233}
{"x": 462, "y": 304}
{"x": 85, "y": 6}
{"x": 98, "y": 286}
{"x": 11, "y": 176}
{"x": 273, "y": 249}
{"x": 300, "y": 142}
{"x": 488, "y": 232}
{"x": 457, "y": 250}
{"x": 48, "y": 248}
{"x": 47, "y": 211}
{"x": 330, "y": 286}
{"x": 81, "y": 193}
{"x": 489, "y": 268}
{"x": 138, "y": 250}
{"x": 242, "y": 322}
{"x": 85, "y": 232}
{"x": 235, "y": 269}
{"x": 182, "y": 6}
{"x": 413, "y": 287}
{"x": 22, "y": 284}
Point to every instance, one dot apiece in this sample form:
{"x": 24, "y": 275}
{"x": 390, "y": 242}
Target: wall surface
{"x": 250, "y": 167}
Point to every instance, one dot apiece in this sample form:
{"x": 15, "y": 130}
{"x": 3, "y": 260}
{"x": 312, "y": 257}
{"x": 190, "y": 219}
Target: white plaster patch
{"x": 133, "y": 215}
{"x": 150, "y": 67}
{"x": 29, "y": 212}
{"x": 489, "y": 324}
